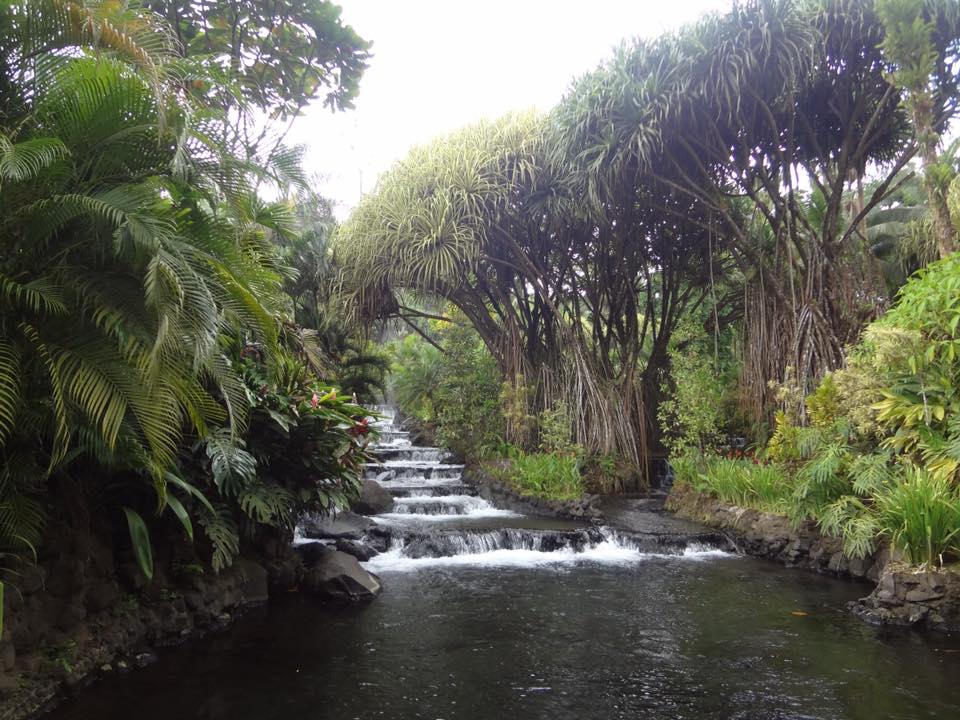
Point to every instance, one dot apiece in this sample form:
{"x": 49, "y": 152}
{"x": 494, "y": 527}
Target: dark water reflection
{"x": 664, "y": 638}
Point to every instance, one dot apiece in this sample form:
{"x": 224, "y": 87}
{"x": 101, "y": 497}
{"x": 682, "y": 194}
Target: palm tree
{"x": 121, "y": 260}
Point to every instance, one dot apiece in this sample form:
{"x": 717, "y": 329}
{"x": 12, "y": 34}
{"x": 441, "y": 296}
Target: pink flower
{"x": 314, "y": 401}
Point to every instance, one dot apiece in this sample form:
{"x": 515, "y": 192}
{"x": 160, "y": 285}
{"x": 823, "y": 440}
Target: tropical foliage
{"x": 148, "y": 346}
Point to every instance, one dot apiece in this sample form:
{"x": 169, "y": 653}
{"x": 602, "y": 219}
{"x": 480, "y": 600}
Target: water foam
{"x": 605, "y": 553}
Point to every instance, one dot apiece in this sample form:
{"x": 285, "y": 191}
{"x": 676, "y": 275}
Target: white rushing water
{"x": 437, "y": 521}
{"x": 606, "y": 553}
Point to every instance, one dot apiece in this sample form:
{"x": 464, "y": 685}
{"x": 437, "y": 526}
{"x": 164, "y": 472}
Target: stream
{"x": 488, "y": 613}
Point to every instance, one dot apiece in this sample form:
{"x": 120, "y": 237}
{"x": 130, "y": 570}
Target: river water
{"x": 489, "y": 614}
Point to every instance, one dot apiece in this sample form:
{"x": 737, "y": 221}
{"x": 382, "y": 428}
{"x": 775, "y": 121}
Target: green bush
{"x": 922, "y": 399}
{"x": 454, "y": 386}
{"x": 691, "y": 411}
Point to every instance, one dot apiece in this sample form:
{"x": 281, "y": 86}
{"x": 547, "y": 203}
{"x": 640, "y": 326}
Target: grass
{"x": 739, "y": 482}
{"x": 917, "y": 511}
{"x": 545, "y": 475}
{"x": 921, "y": 516}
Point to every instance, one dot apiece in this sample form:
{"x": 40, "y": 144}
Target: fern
{"x": 853, "y": 521}
{"x": 871, "y": 474}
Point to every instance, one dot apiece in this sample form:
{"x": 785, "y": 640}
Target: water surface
{"x": 600, "y": 636}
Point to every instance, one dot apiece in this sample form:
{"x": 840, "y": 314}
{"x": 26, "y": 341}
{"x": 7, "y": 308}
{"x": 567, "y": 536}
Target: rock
{"x": 141, "y": 660}
{"x": 374, "y": 499}
{"x": 284, "y": 574}
{"x": 909, "y": 596}
{"x": 310, "y": 553}
{"x": 338, "y": 576}
{"x": 379, "y": 539}
{"x": 101, "y": 596}
{"x": 359, "y": 550}
{"x": 253, "y": 578}
{"x": 345, "y": 525}
{"x": 8, "y": 656}
{"x": 922, "y": 595}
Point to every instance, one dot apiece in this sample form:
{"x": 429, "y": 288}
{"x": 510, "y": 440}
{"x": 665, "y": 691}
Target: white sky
{"x": 438, "y": 65}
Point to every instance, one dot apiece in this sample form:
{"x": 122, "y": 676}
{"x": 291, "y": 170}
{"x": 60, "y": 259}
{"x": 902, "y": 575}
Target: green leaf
{"x": 183, "y": 484}
{"x": 282, "y": 420}
{"x": 140, "y": 538}
{"x": 181, "y": 512}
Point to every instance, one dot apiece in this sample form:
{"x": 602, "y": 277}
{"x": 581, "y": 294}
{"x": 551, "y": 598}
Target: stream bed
{"x": 488, "y": 614}
{"x": 693, "y": 636}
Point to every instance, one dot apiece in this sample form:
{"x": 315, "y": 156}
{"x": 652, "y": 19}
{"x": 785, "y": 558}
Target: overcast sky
{"x": 440, "y": 64}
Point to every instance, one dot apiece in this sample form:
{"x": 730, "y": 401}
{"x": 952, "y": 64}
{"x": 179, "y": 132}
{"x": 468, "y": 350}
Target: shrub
{"x": 556, "y": 429}
{"x": 690, "y": 413}
{"x": 922, "y": 399}
{"x": 454, "y": 386}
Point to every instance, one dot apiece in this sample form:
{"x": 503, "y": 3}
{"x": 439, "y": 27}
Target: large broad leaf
{"x": 140, "y": 538}
{"x": 181, "y": 512}
{"x": 193, "y": 490}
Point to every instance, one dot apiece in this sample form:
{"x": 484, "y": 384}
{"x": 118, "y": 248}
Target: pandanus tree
{"x": 575, "y": 306}
{"x": 750, "y": 115}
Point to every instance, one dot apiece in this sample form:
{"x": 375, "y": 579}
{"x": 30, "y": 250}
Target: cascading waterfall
{"x": 438, "y": 519}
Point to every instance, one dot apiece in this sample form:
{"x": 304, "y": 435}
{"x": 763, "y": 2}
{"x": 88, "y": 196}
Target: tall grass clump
{"x": 742, "y": 482}
{"x": 555, "y": 477}
{"x": 921, "y": 516}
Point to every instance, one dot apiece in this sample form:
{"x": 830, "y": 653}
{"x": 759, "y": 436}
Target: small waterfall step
{"x": 410, "y": 470}
{"x": 437, "y": 517}
{"x": 411, "y": 453}
{"x": 434, "y": 505}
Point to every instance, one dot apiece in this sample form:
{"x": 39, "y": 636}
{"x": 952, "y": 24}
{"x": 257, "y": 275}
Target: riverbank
{"x": 773, "y": 537}
{"x": 78, "y": 616}
{"x": 904, "y": 595}
{"x": 84, "y": 612}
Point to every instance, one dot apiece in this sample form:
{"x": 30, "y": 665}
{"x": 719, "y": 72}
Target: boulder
{"x": 359, "y": 550}
{"x": 338, "y": 576}
{"x": 909, "y": 595}
{"x": 311, "y": 552}
{"x": 344, "y": 525}
{"x": 373, "y": 500}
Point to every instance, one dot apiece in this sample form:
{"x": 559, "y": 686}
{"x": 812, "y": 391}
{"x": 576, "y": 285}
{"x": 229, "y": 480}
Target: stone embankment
{"x": 913, "y": 596}
{"x": 774, "y": 537}
{"x": 84, "y": 612}
{"x": 904, "y": 595}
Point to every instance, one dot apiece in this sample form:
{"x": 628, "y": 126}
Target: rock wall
{"x": 773, "y": 536}
{"x": 503, "y": 495}
{"x": 85, "y": 610}
{"x": 913, "y": 596}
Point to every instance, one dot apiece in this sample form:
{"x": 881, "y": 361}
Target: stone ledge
{"x": 912, "y": 596}
{"x": 38, "y": 667}
{"x": 773, "y": 537}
